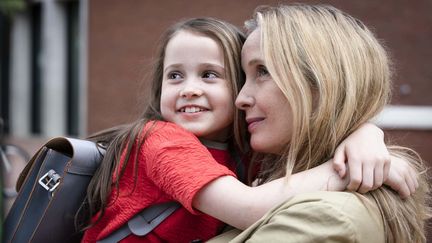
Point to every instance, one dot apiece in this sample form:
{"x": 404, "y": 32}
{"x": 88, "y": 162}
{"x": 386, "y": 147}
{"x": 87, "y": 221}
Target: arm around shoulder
{"x": 239, "y": 205}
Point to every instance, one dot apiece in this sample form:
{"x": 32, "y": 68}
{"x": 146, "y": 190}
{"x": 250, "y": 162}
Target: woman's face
{"x": 268, "y": 112}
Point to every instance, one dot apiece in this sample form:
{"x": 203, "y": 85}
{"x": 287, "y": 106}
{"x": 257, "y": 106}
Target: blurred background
{"x": 73, "y": 67}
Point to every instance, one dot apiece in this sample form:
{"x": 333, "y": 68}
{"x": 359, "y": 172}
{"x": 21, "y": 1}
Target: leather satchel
{"x": 53, "y": 186}
{"x": 51, "y": 189}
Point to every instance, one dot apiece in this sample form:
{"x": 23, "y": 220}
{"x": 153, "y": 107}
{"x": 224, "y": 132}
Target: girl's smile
{"x": 195, "y": 93}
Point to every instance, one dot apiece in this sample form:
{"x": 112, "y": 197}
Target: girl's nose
{"x": 191, "y": 91}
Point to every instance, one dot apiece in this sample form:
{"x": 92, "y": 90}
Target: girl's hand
{"x": 402, "y": 178}
{"x": 368, "y": 160}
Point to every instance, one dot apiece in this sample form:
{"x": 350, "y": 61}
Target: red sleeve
{"x": 178, "y": 163}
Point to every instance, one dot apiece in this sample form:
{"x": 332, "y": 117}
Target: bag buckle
{"x": 50, "y": 180}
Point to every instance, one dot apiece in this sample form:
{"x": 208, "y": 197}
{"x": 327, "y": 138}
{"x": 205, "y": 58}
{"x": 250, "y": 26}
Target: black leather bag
{"x": 51, "y": 189}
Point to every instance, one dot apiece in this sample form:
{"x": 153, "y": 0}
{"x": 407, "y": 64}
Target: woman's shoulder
{"x": 353, "y": 206}
{"x": 336, "y": 200}
{"x": 352, "y": 214}
{"x": 343, "y": 201}
{"x": 317, "y": 217}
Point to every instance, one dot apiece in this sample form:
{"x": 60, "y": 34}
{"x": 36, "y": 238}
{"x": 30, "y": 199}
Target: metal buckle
{"x": 50, "y": 180}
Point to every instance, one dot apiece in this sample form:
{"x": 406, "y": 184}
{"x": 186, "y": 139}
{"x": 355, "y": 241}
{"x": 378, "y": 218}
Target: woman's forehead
{"x": 251, "y": 49}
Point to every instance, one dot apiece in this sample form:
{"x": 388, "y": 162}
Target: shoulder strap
{"x": 144, "y": 222}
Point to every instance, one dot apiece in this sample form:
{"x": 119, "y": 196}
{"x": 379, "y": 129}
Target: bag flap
{"x": 78, "y": 149}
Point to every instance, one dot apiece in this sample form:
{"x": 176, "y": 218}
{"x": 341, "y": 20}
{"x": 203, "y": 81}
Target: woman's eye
{"x": 210, "y": 75}
{"x": 262, "y": 71}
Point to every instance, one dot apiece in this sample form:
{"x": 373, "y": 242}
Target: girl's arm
{"x": 240, "y": 205}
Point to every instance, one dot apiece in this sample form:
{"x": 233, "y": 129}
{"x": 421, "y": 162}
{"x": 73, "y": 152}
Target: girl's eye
{"x": 262, "y": 71}
{"x": 174, "y": 75}
{"x": 210, "y": 75}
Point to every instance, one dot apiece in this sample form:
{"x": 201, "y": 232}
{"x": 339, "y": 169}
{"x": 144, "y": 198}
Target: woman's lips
{"x": 253, "y": 123}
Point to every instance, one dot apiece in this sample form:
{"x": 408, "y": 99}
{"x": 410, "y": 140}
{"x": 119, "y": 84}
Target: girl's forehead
{"x": 190, "y": 34}
{"x": 188, "y": 48}
{"x": 192, "y": 39}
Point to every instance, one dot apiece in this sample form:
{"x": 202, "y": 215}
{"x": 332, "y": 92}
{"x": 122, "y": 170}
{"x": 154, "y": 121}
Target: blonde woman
{"x": 313, "y": 75}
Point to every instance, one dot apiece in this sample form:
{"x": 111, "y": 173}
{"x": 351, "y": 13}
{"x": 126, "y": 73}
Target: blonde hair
{"x": 336, "y": 76}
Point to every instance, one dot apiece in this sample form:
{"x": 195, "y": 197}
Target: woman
{"x": 313, "y": 75}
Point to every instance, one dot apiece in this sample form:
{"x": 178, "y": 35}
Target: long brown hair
{"x": 336, "y": 76}
{"x": 121, "y": 139}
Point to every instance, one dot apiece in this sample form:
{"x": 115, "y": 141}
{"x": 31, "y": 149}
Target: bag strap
{"x": 144, "y": 222}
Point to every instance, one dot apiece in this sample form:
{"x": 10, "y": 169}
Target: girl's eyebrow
{"x": 207, "y": 64}
{"x": 212, "y": 65}
{"x": 173, "y": 66}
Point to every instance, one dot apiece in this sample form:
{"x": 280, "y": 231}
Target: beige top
{"x": 316, "y": 217}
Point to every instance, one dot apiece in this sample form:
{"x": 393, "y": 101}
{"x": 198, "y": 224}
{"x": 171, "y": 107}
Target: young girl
{"x": 158, "y": 158}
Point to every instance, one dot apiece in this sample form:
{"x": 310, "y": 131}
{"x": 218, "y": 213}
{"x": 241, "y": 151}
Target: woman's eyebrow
{"x": 254, "y": 62}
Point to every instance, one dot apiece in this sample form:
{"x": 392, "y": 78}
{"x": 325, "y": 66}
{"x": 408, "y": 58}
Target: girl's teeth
{"x": 191, "y": 109}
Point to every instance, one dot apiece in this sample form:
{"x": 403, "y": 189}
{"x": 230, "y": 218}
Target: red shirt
{"x": 172, "y": 165}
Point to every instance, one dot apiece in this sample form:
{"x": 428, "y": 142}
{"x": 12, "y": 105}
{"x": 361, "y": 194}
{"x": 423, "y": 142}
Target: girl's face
{"x": 195, "y": 93}
{"x": 268, "y": 112}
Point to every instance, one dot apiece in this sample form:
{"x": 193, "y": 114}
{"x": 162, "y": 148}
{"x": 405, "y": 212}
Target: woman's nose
{"x": 244, "y": 100}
